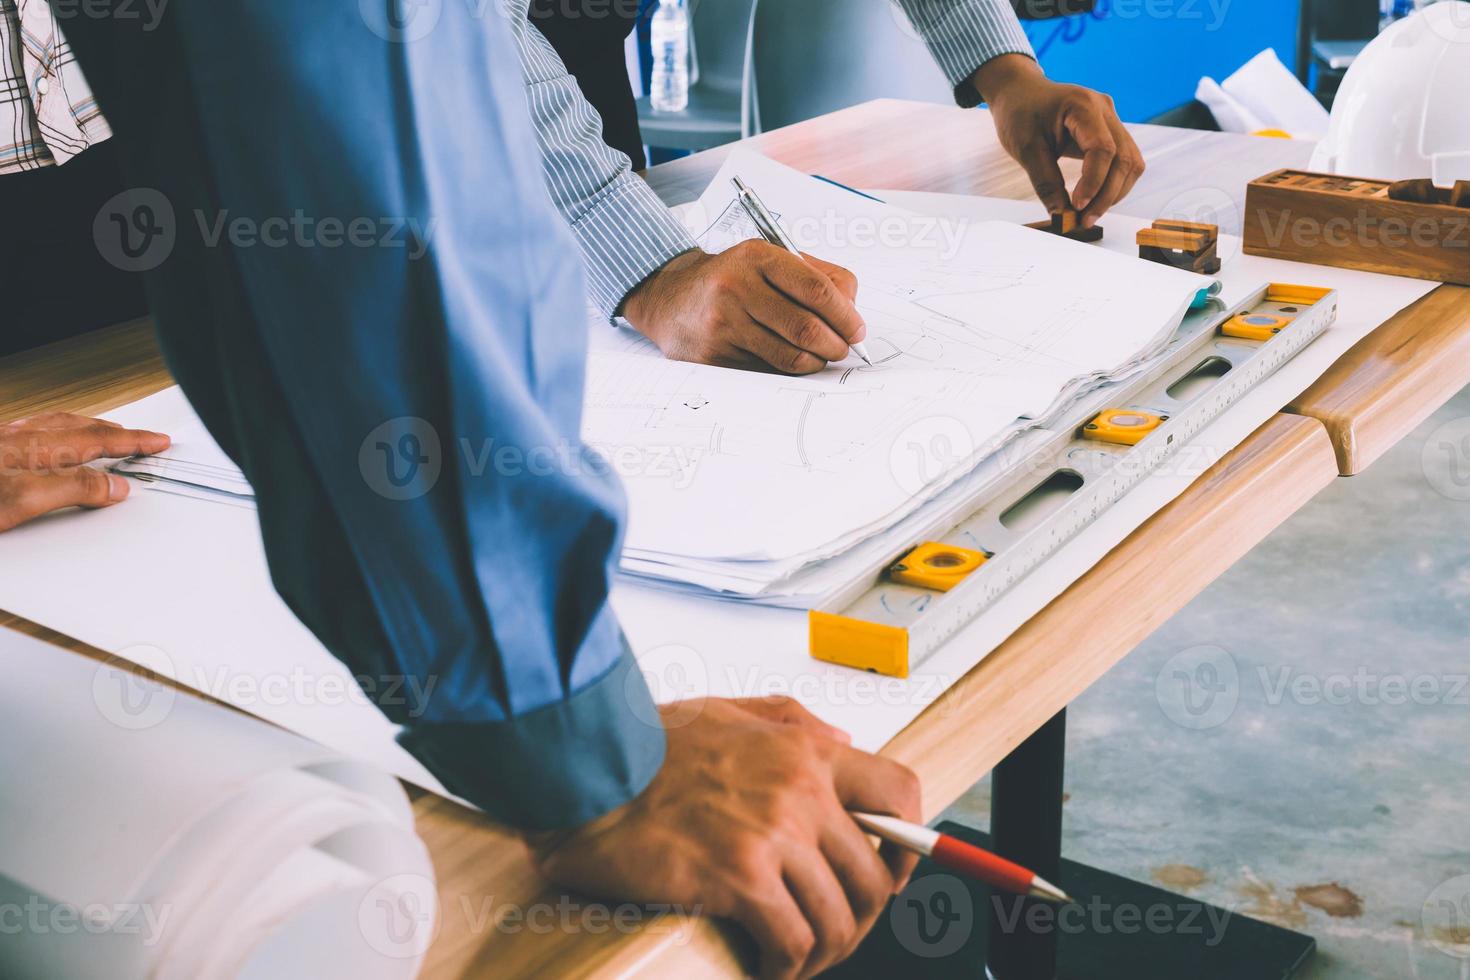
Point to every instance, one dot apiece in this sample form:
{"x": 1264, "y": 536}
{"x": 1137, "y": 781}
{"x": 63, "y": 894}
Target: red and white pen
{"x": 967, "y": 859}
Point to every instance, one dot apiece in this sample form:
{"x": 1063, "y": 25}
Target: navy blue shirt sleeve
{"x": 361, "y": 283}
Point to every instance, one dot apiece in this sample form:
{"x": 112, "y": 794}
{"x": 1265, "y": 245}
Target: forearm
{"x": 993, "y": 79}
{"x": 371, "y": 390}
{"x": 966, "y": 35}
{"x": 623, "y": 232}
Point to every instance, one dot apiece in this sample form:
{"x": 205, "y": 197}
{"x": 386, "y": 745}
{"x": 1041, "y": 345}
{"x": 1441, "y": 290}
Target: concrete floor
{"x": 1295, "y": 744}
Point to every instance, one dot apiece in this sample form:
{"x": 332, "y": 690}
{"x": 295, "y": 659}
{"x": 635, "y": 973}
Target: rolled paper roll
{"x": 152, "y": 834}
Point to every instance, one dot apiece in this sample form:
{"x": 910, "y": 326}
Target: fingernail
{"x": 861, "y": 335}
{"x": 157, "y": 442}
{"x": 1089, "y": 221}
{"x": 117, "y": 487}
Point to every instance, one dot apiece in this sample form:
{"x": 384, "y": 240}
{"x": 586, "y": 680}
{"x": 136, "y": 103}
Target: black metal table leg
{"x": 1026, "y": 827}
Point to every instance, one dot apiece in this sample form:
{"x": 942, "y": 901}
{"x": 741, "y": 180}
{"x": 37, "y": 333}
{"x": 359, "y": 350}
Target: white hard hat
{"x": 1403, "y": 110}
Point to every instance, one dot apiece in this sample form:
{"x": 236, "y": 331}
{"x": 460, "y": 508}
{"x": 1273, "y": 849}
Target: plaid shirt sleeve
{"x": 47, "y": 112}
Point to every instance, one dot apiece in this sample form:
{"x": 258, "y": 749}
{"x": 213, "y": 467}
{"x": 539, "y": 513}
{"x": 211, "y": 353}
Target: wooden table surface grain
{"x": 487, "y": 884}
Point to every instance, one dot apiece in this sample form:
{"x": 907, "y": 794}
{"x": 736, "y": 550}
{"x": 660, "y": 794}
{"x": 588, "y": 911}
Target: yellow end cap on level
{"x": 854, "y": 643}
{"x": 1255, "y": 326}
{"x": 936, "y": 566}
{"x": 1283, "y": 292}
{"x": 1122, "y": 426}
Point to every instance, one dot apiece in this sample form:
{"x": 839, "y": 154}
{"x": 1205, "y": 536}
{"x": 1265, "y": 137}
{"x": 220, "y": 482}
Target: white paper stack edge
{"x": 151, "y": 834}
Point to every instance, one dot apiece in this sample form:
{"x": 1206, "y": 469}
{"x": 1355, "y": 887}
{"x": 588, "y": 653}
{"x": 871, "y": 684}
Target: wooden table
{"x": 1374, "y": 397}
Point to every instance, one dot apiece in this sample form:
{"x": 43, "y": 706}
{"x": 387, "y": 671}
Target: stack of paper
{"x": 154, "y": 835}
{"x": 748, "y": 484}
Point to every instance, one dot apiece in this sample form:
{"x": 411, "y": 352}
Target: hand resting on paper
{"x": 753, "y": 306}
{"x": 42, "y": 464}
{"x": 748, "y": 820}
{"x": 1040, "y": 121}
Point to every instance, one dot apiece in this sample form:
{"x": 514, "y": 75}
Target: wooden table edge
{"x": 1389, "y": 382}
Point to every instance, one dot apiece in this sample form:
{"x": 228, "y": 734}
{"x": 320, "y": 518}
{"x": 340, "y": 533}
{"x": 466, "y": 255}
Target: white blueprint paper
{"x": 972, "y": 324}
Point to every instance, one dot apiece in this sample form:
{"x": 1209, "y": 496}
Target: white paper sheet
{"x": 181, "y": 586}
{"x": 973, "y": 326}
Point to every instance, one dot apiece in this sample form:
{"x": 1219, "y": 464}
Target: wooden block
{"x": 1169, "y": 224}
{"x": 1420, "y": 191}
{"x": 1207, "y": 262}
{"x": 1178, "y": 241}
{"x": 1064, "y": 222}
{"x": 1182, "y": 244}
{"x": 1460, "y": 195}
{"x": 1323, "y": 222}
{"x": 1078, "y": 234}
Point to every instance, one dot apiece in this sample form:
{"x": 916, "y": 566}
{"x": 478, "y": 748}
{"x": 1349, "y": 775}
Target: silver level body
{"x": 877, "y": 623}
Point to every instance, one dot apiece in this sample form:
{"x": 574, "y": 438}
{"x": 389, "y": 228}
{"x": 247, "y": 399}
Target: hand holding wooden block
{"x": 1067, "y": 224}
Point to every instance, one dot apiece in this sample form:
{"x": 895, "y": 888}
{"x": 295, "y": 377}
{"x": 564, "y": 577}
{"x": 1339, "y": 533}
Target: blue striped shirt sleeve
{"x": 965, "y": 34}
{"x": 623, "y": 230}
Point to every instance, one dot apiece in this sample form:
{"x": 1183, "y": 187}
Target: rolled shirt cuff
{"x": 626, "y": 234}
{"x": 559, "y": 766}
{"x": 966, "y": 34}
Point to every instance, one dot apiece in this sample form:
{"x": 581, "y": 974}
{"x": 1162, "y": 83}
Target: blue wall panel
{"x": 1150, "y": 54}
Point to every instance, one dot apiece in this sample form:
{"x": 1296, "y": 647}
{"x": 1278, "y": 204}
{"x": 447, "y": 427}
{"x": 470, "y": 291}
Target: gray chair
{"x": 811, "y": 57}
{"x": 719, "y": 81}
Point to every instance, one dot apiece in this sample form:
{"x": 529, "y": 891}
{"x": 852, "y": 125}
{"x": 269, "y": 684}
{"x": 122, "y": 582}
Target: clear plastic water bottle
{"x": 670, "y": 43}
